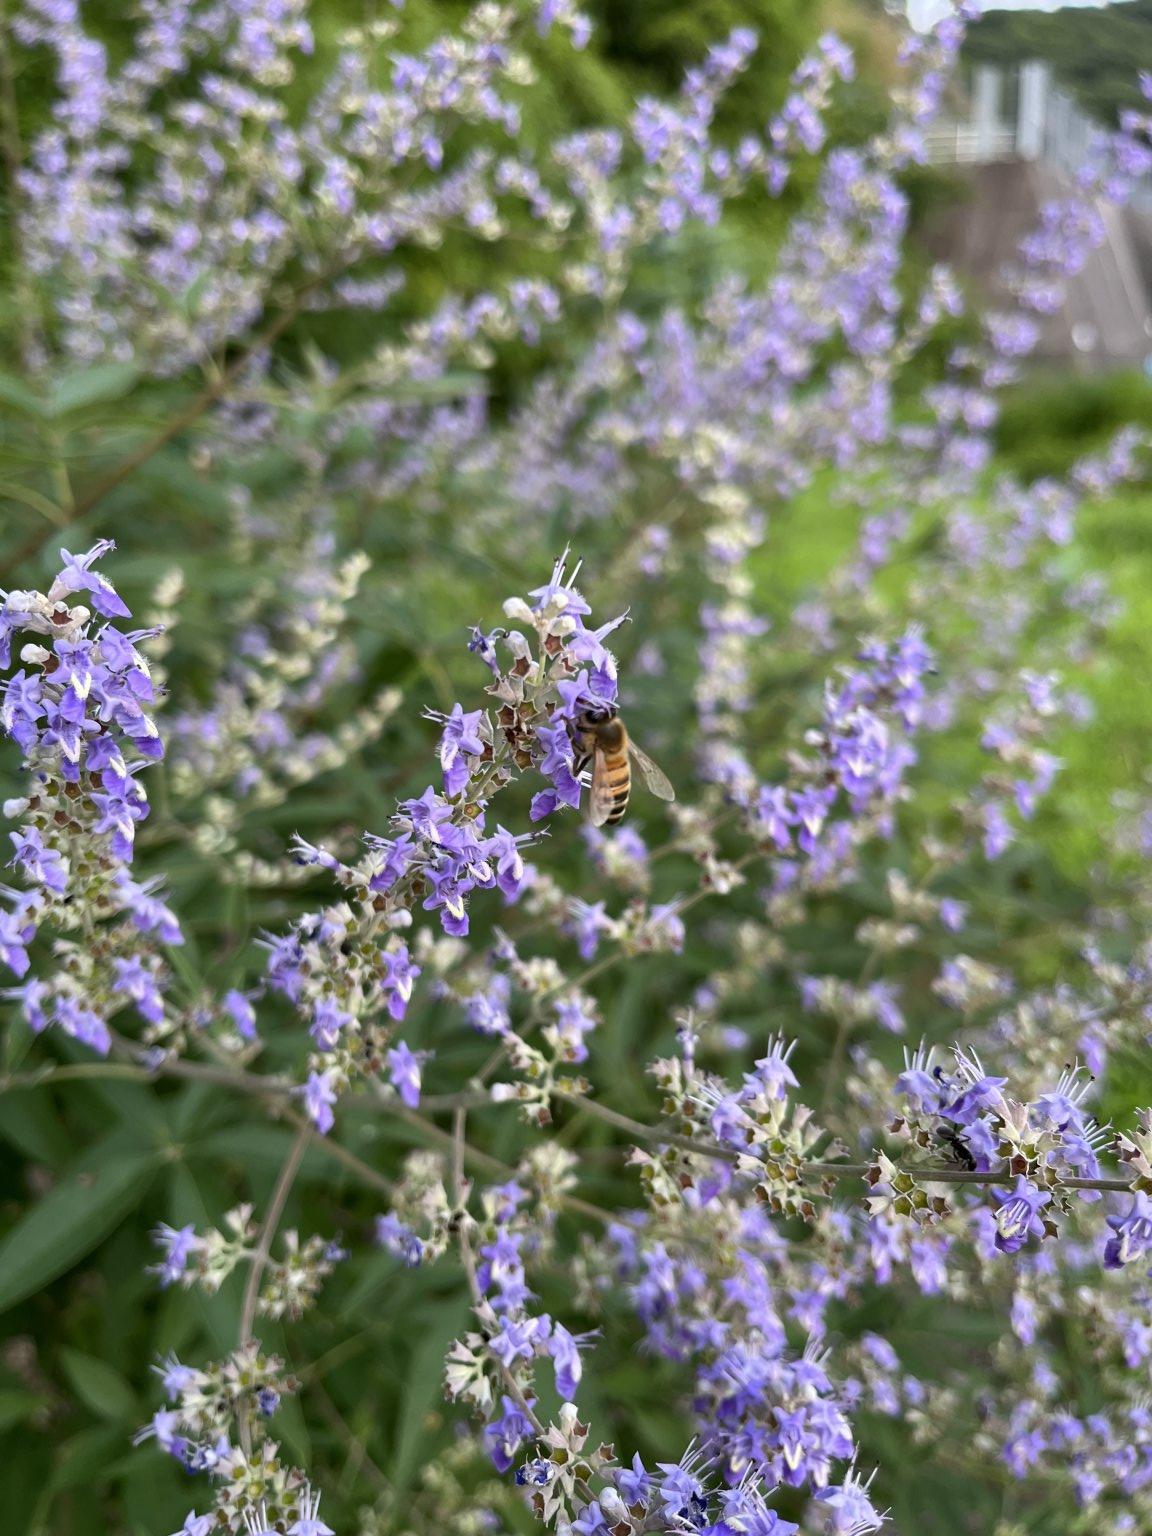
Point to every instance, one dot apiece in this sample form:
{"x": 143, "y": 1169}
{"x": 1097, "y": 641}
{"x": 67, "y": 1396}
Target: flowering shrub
{"x": 766, "y": 1084}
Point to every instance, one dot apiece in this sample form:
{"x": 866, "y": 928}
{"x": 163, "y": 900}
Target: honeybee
{"x": 601, "y": 738}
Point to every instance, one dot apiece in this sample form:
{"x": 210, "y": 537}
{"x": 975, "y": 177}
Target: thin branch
{"x": 273, "y": 1088}
{"x": 962, "y": 1176}
{"x": 459, "y": 1142}
{"x": 814, "y": 1170}
{"x": 280, "y": 1090}
{"x": 264, "y": 1247}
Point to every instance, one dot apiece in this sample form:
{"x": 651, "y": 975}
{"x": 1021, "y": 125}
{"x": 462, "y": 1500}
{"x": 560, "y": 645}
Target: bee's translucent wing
{"x": 601, "y": 798}
{"x": 655, "y": 778}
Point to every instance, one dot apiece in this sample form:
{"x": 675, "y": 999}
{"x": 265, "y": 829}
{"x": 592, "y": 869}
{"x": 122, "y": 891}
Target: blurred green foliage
{"x": 1048, "y": 423}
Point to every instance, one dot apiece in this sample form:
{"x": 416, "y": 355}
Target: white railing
{"x": 961, "y": 144}
{"x": 1045, "y": 123}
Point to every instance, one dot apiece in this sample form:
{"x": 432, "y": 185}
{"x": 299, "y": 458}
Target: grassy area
{"x": 1113, "y": 754}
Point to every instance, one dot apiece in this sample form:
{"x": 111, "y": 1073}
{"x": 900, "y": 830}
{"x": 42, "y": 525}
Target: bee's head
{"x": 595, "y": 714}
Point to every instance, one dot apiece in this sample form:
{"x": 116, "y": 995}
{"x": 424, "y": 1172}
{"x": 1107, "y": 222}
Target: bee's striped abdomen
{"x": 617, "y": 786}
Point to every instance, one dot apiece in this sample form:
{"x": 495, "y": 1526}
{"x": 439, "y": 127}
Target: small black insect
{"x": 958, "y": 1147}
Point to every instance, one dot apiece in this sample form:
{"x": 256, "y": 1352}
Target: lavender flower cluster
{"x": 856, "y": 768}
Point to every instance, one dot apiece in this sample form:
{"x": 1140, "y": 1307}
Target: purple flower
{"x": 175, "y": 1378}
{"x": 83, "y": 1024}
{"x": 565, "y": 1354}
{"x": 319, "y": 1095}
{"x": 77, "y": 576}
{"x": 1018, "y": 1218}
{"x": 459, "y": 740}
{"x": 397, "y": 856}
{"x": 241, "y": 1012}
{"x": 559, "y": 594}
{"x": 577, "y": 694}
{"x": 514, "y": 1341}
{"x": 328, "y": 1023}
{"x": 587, "y": 922}
{"x": 635, "y": 1483}
{"x": 177, "y": 1245}
{"x": 979, "y": 1093}
{"x": 197, "y": 1525}
{"x": 557, "y": 763}
{"x": 505, "y": 1434}
{"x": 590, "y": 1521}
{"x": 391, "y": 1233}
{"x": 953, "y": 913}
{"x": 16, "y": 933}
{"x": 40, "y": 864}
{"x": 884, "y": 997}
{"x": 679, "y": 1489}
{"x": 447, "y": 897}
{"x": 138, "y": 982}
{"x": 1132, "y": 1237}
{"x": 773, "y": 1076}
{"x": 404, "y": 1067}
{"x": 427, "y": 814}
{"x": 774, "y": 815}
{"x": 573, "y": 1022}
{"x": 504, "y": 850}
{"x": 664, "y": 927}
{"x": 21, "y": 708}
{"x": 923, "y": 1085}
{"x": 809, "y": 808}
{"x": 400, "y": 974}
{"x": 849, "y": 1510}
{"x": 309, "y": 1523}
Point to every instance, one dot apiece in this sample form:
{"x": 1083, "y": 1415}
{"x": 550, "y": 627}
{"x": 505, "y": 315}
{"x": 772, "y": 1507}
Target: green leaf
{"x": 449, "y": 386}
{"x": 83, "y": 1457}
{"x": 379, "y": 1276}
{"x": 17, "y": 1044}
{"x": 131, "y": 1103}
{"x": 200, "y": 1201}
{"x": 16, "y": 1406}
{"x": 192, "y": 1107}
{"x": 291, "y": 1425}
{"x": 73, "y": 1218}
{"x": 30, "y": 1123}
{"x": 93, "y": 386}
{"x": 438, "y": 1328}
{"x": 34, "y": 499}
{"x": 98, "y": 1385}
{"x": 19, "y": 397}
{"x": 189, "y": 301}
{"x": 249, "y": 1145}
